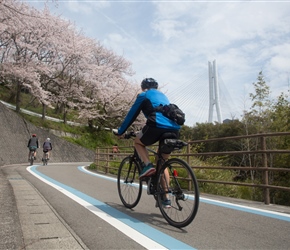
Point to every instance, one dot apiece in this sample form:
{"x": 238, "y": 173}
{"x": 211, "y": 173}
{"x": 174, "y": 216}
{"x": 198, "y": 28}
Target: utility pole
{"x": 214, "y": 99}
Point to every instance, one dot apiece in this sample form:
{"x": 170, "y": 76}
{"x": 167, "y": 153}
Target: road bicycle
{"x": 31, "y": 155}
{"x": 45, "y": 158}
{"x": 174, "y": 179}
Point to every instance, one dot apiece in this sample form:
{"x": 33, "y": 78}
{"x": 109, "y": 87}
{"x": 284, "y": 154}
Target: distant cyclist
{"x": 33, "y": 145}
{"x": 47, "y": 147}
{"x": 115, "y": 149}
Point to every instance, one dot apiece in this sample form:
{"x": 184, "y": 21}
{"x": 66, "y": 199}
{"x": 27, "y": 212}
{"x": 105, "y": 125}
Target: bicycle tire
{"x": 183, "y": 194}
{"x": 46, "y": 156}
{"x": 31, "y": 158}
{"x": 129, "y": 185}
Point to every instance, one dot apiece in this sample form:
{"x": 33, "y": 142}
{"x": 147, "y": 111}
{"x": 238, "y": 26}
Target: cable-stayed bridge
{"x": 204, "y": 100}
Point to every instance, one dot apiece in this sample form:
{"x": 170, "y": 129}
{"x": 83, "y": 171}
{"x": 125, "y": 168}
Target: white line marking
{"x": 125, "y": 229}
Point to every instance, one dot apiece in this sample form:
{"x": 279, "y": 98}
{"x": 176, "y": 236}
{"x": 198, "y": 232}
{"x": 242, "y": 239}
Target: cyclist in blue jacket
{"x": 156, "y": 123}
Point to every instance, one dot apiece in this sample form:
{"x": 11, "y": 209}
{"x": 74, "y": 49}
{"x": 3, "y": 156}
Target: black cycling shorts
{"x": 150, "y": 135}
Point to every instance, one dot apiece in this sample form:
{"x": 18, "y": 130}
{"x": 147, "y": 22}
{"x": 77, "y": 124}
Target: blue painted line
{"x": 152, "y": 233}
{"x": 257, "y": 211}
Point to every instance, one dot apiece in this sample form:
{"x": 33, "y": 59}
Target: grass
{"x": 84, "y": 136}
{"x": 92, "y": 138}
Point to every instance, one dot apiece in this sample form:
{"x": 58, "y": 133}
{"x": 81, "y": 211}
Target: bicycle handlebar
{"x": 126, "y": 135}
{"x": 171, "y": 143}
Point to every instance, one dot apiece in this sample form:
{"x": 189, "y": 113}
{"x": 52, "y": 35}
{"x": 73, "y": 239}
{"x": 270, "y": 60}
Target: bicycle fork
{"x": 129, "y": 179}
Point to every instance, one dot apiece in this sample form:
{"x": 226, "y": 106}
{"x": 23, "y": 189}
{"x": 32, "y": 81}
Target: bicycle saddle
{"x": 169, "y": 142}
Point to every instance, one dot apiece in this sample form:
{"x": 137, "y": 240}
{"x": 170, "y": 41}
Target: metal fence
{"x": 255, "y": 155}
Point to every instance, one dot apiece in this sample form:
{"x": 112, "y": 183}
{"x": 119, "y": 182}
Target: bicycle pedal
{"x": 149, "y": 186}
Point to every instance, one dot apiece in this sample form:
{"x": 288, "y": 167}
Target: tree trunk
{"x": 18, "y": 97}
{"x": 43, "y": 111}
{"x": 90, "y": 123}
{"x": 64, "y": 115}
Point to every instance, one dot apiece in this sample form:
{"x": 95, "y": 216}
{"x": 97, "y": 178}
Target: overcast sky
{"x": 173, "y": 41}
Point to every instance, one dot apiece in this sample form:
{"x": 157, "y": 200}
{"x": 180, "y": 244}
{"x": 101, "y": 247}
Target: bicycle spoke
{"x": 178, "y": 184}
{"x": 129, "y": 185}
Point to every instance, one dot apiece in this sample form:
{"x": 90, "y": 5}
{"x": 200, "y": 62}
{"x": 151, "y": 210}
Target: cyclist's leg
{"x": 148, "y": 136}
{"x": 31, "y": 152}
{"x": 165, "y": 155}
{"x": 142, "y": 151}
{"x": 165, "y": 181}
{"x": 148, "y": 169}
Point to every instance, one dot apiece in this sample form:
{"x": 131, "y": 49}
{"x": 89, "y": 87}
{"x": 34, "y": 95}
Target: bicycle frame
{"x": 174, "y": 186}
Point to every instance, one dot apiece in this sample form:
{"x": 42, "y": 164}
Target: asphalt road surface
{"x": 87, "y": 206}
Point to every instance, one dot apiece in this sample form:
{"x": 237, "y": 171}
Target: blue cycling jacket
{"x": 146, "y": 102}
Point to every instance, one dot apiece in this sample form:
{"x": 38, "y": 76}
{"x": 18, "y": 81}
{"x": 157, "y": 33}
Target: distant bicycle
{"x": 47, "y": 147}
{"x": 45, "y": 158}
{"x": 31, "y": 155}
{"x": 174, "y": 179}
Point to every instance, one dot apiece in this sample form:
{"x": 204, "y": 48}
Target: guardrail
{"x": 108, "y": 163}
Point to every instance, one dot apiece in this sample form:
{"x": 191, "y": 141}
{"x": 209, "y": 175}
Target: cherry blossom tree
{"x": 61, "y": 67}
{"x": 18, "y": 37}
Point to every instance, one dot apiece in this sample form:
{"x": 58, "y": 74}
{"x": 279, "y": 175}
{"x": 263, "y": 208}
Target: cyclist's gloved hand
{"x": 115, "y": 131}
{"x": 128, "y": 135}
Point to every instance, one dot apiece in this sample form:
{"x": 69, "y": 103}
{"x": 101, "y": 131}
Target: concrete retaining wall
{"x": 15, "y": 133}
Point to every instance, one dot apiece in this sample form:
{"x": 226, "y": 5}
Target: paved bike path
{"x": 27, "y": 219}
{"x": 143, "y": 234}
{"x": 37, "y": 226}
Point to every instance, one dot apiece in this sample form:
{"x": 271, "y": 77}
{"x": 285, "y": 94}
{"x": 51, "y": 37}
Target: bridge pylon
{"x": 214, "y": 99}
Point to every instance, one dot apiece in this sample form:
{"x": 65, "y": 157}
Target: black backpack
{"x": 172, "y": 112}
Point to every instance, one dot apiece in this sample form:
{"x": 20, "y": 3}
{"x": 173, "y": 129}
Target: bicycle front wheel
{"x": 177, "y": 195}
{"x": 129, "y": 185}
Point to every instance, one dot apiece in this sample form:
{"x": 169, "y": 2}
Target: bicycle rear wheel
{"x": 129, "y": 185}
{"x": 46, "y": 159}
{"x": 181, "y": 188}
{"x": 31, "y": 157}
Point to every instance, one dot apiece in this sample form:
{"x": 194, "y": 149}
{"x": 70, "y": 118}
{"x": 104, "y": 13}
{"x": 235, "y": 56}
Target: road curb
{"x": 41, "y": 226}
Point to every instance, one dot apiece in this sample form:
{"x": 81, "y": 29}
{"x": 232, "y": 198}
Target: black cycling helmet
{"x": 149, "y": 83}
